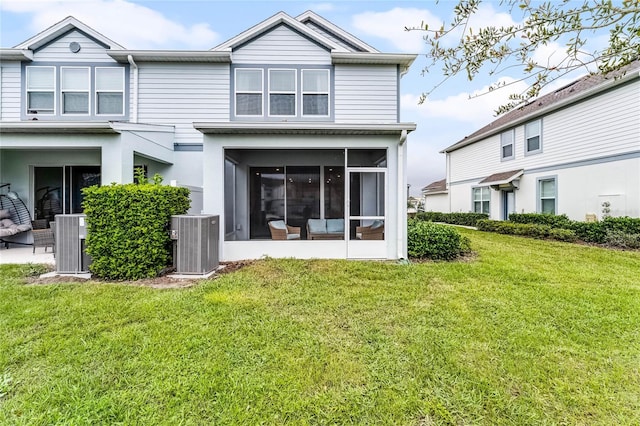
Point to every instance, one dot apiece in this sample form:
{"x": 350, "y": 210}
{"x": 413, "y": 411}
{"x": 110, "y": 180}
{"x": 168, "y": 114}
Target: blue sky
{"x": 445, "y": 118}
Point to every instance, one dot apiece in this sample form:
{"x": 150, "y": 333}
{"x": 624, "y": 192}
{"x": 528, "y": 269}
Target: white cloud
{"x": 322, "y": 7}
{"x": 132, "y": 25}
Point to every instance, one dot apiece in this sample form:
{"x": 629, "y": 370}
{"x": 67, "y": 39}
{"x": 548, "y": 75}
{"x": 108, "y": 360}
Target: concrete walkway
{"x": 24, "y": 254}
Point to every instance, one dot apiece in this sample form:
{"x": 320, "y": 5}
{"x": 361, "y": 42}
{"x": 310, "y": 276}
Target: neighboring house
{"x": 436, "y": 197}
{"x": 568, "y": 152}
{"x": 292, "y": 119}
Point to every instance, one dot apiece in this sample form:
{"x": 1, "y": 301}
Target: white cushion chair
{"x": 282, "y": 231}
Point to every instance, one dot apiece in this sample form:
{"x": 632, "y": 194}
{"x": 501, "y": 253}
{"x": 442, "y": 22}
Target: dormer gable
{"x": 334, "y": 33}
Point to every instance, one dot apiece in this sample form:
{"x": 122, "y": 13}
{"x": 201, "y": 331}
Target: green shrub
{"x": 465, "y": 219}
{"x": 555, "y": 221}
{"x": 526, "y": 230}
{"x": 427, "y": 240}
{"x": 128, "y": 224}
{"x": 622, "y": 239}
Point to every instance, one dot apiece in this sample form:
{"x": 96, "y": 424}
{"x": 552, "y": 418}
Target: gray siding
{"x": 10, "y": 92}
{"x": 281, "y": 46}
{"x": 366, "y": 93}
{"x": 58, "y": 51}
{"x": 175, "y": 94}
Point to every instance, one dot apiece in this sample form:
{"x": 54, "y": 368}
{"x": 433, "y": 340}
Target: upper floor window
{"x": 109, "y": 91}
{"x": 506, "y": 145}
{"x": 547, "y": 195}
{"x": 61, "y": 91}
{"x": 75, "y": 86}
{"x": 41, "y": 90}
{"x": 281, "y": 93}
{"x": 315, "y": 92}
{"x": 533, "y": 137}
{"x": 481, "y": 199}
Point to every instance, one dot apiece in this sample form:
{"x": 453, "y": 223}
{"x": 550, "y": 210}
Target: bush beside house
{"x": 128, "y": 224}
{"x": 427, "y": 240}
{"x": 464, "y": 219}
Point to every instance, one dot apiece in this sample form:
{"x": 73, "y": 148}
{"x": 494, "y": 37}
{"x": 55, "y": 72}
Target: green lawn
{"x": 528, "y": 332}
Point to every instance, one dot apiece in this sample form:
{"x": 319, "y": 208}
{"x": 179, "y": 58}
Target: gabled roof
{"x": 502, "y": 178}
{"x": 349, "y": 39}
{"x": 61, "y": 28}
{"x": 573, "y": 92}
{"x": 276, "y": 20}
{"x": 437, "y": 187}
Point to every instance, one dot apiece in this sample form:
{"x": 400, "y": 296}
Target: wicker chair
{"x": 281, "y": 231}
{"x": 375, "y": 231}
{"x": 42, "y": 236}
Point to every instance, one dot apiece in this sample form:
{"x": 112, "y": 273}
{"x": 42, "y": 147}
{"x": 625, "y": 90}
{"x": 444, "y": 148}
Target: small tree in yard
{"x": 128, "y": 224}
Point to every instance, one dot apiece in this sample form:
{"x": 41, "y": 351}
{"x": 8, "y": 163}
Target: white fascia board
{"x": 56, "y": 30}
{"x": 404, "y": 60}
{"x": 302, "y": 128}
{"x": 56, "y": 127}
{"x": 320, "y": 21}
{"x": 133, "y": 127}
{"x": 277, "y": 19}
{"x": 16, "y": 55}
{"x": 202, "y": 56}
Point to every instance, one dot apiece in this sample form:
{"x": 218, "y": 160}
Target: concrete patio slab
{"x": 19, "y": 254}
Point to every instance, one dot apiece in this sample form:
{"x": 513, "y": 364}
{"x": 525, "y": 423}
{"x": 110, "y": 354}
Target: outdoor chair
{"x": 375, "y": 231}
{"x": 42, "y": 236}
{"x": 282, "y": 231}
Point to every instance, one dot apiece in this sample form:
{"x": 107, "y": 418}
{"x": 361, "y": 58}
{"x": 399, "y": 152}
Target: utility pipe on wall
{"x": 134, "y": 102}
{"x": 402, "y": 204}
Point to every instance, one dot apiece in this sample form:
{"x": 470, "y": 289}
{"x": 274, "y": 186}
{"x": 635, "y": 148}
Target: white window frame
{"x": 539, "y": 196}
{"x": 276, "y": 92}
{"x": 87, "y": 91}
{"x": 483, "y": 191}
{"x": 28, "y": 90}
{"x": 528, "y": 136}
{"x": 260, "y": 92}
{"x": 97, "y": 91}
{"x": 504, "y": 144}
{"x": 328, "y": 92}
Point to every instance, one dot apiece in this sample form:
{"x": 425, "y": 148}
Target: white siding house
{"x": 567, "y": 152}
{"x": 293, "y": 119}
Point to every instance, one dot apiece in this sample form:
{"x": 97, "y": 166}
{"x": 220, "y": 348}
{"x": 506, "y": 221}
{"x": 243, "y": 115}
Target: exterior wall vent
{"x": 195, "y": 246}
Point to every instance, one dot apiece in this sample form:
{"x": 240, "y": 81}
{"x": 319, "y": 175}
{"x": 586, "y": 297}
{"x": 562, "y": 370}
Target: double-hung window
{"x": 41, "y": 90}
{"x": 547, "y": 195}
{"x": 506, "y": 145}
{"x": 315, "y": 92}
{"x": 248, "y": 86}
{"x": 533, "y": 137}
{"x": 282, "y": 92}
{"x": 75, "y": 84}
{"x": 109, "y": 91}
{"x": 481, "y": 199}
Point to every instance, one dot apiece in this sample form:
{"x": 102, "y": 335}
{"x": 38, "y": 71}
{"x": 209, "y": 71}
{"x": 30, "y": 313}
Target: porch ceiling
{"x": 298, "y": 128}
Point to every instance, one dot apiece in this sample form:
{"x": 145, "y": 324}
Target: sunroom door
{"x": 366, "y": 206}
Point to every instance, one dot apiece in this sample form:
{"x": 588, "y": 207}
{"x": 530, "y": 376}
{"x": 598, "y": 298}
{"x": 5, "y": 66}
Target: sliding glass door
{"x": 58, "y": 190}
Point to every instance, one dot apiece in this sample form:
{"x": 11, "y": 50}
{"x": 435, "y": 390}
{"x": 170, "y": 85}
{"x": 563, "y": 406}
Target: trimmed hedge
{"x": 427, "y": 240}
{"x": 466, "y": 219}
{"x": 555, "y": 221}
{"x": 128, "y": 224}
{"x": 527, "y": 230}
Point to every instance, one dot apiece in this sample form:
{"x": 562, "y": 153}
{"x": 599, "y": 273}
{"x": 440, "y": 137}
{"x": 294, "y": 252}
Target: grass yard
{"x": 529, "y": 332}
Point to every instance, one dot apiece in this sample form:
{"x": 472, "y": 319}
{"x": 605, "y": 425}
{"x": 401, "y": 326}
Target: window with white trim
{"x": 41, "y": 90}
{"x": 109, "y": 91}
{"x": 506, "y": 145}
{"x": 315, "y": 92}
{"x": 547, "y": 195}
{"x": 533, "y": 137}
{"x": 481, "y": 199}
{"x": 248, "y": 96}
{"x": 282, "y": 92}
{"x": 75, "y": 84}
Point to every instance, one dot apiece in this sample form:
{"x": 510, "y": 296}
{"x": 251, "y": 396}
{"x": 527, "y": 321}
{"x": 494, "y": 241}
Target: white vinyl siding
{"x": 58, "y": 50}
{"x": 75, "y": 85}
{"x": 481, "y": 199}
{"x": 180, "y": 94}
{"x": 41, "y": 90}
{"x": 533, "y": 137}
{"x": 10, "y": 94}
{"x": 281, "y": 45}
{"x": 366, "y": 93}
{"x": 507, "y": 145}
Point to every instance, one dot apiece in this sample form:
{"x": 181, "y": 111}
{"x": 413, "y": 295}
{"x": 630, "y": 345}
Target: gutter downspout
{"x": 401, "y": 233}
{"x": 134, "y": 103}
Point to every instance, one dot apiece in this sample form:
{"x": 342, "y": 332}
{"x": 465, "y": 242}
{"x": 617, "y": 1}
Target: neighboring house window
{"x": 315, "y": 92}
{"x": 481, "y": 200}
{"x": 41, "y": 89}
{"x": 547, "y": 195}
{"x": 533, "y": 137}
{"x": 282, "y": 92}
{"x": 110, "y": 91}
{"x": 248, "y": 83}
{"x": 75, "y": 85}
{"x": 506, "y": 145}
